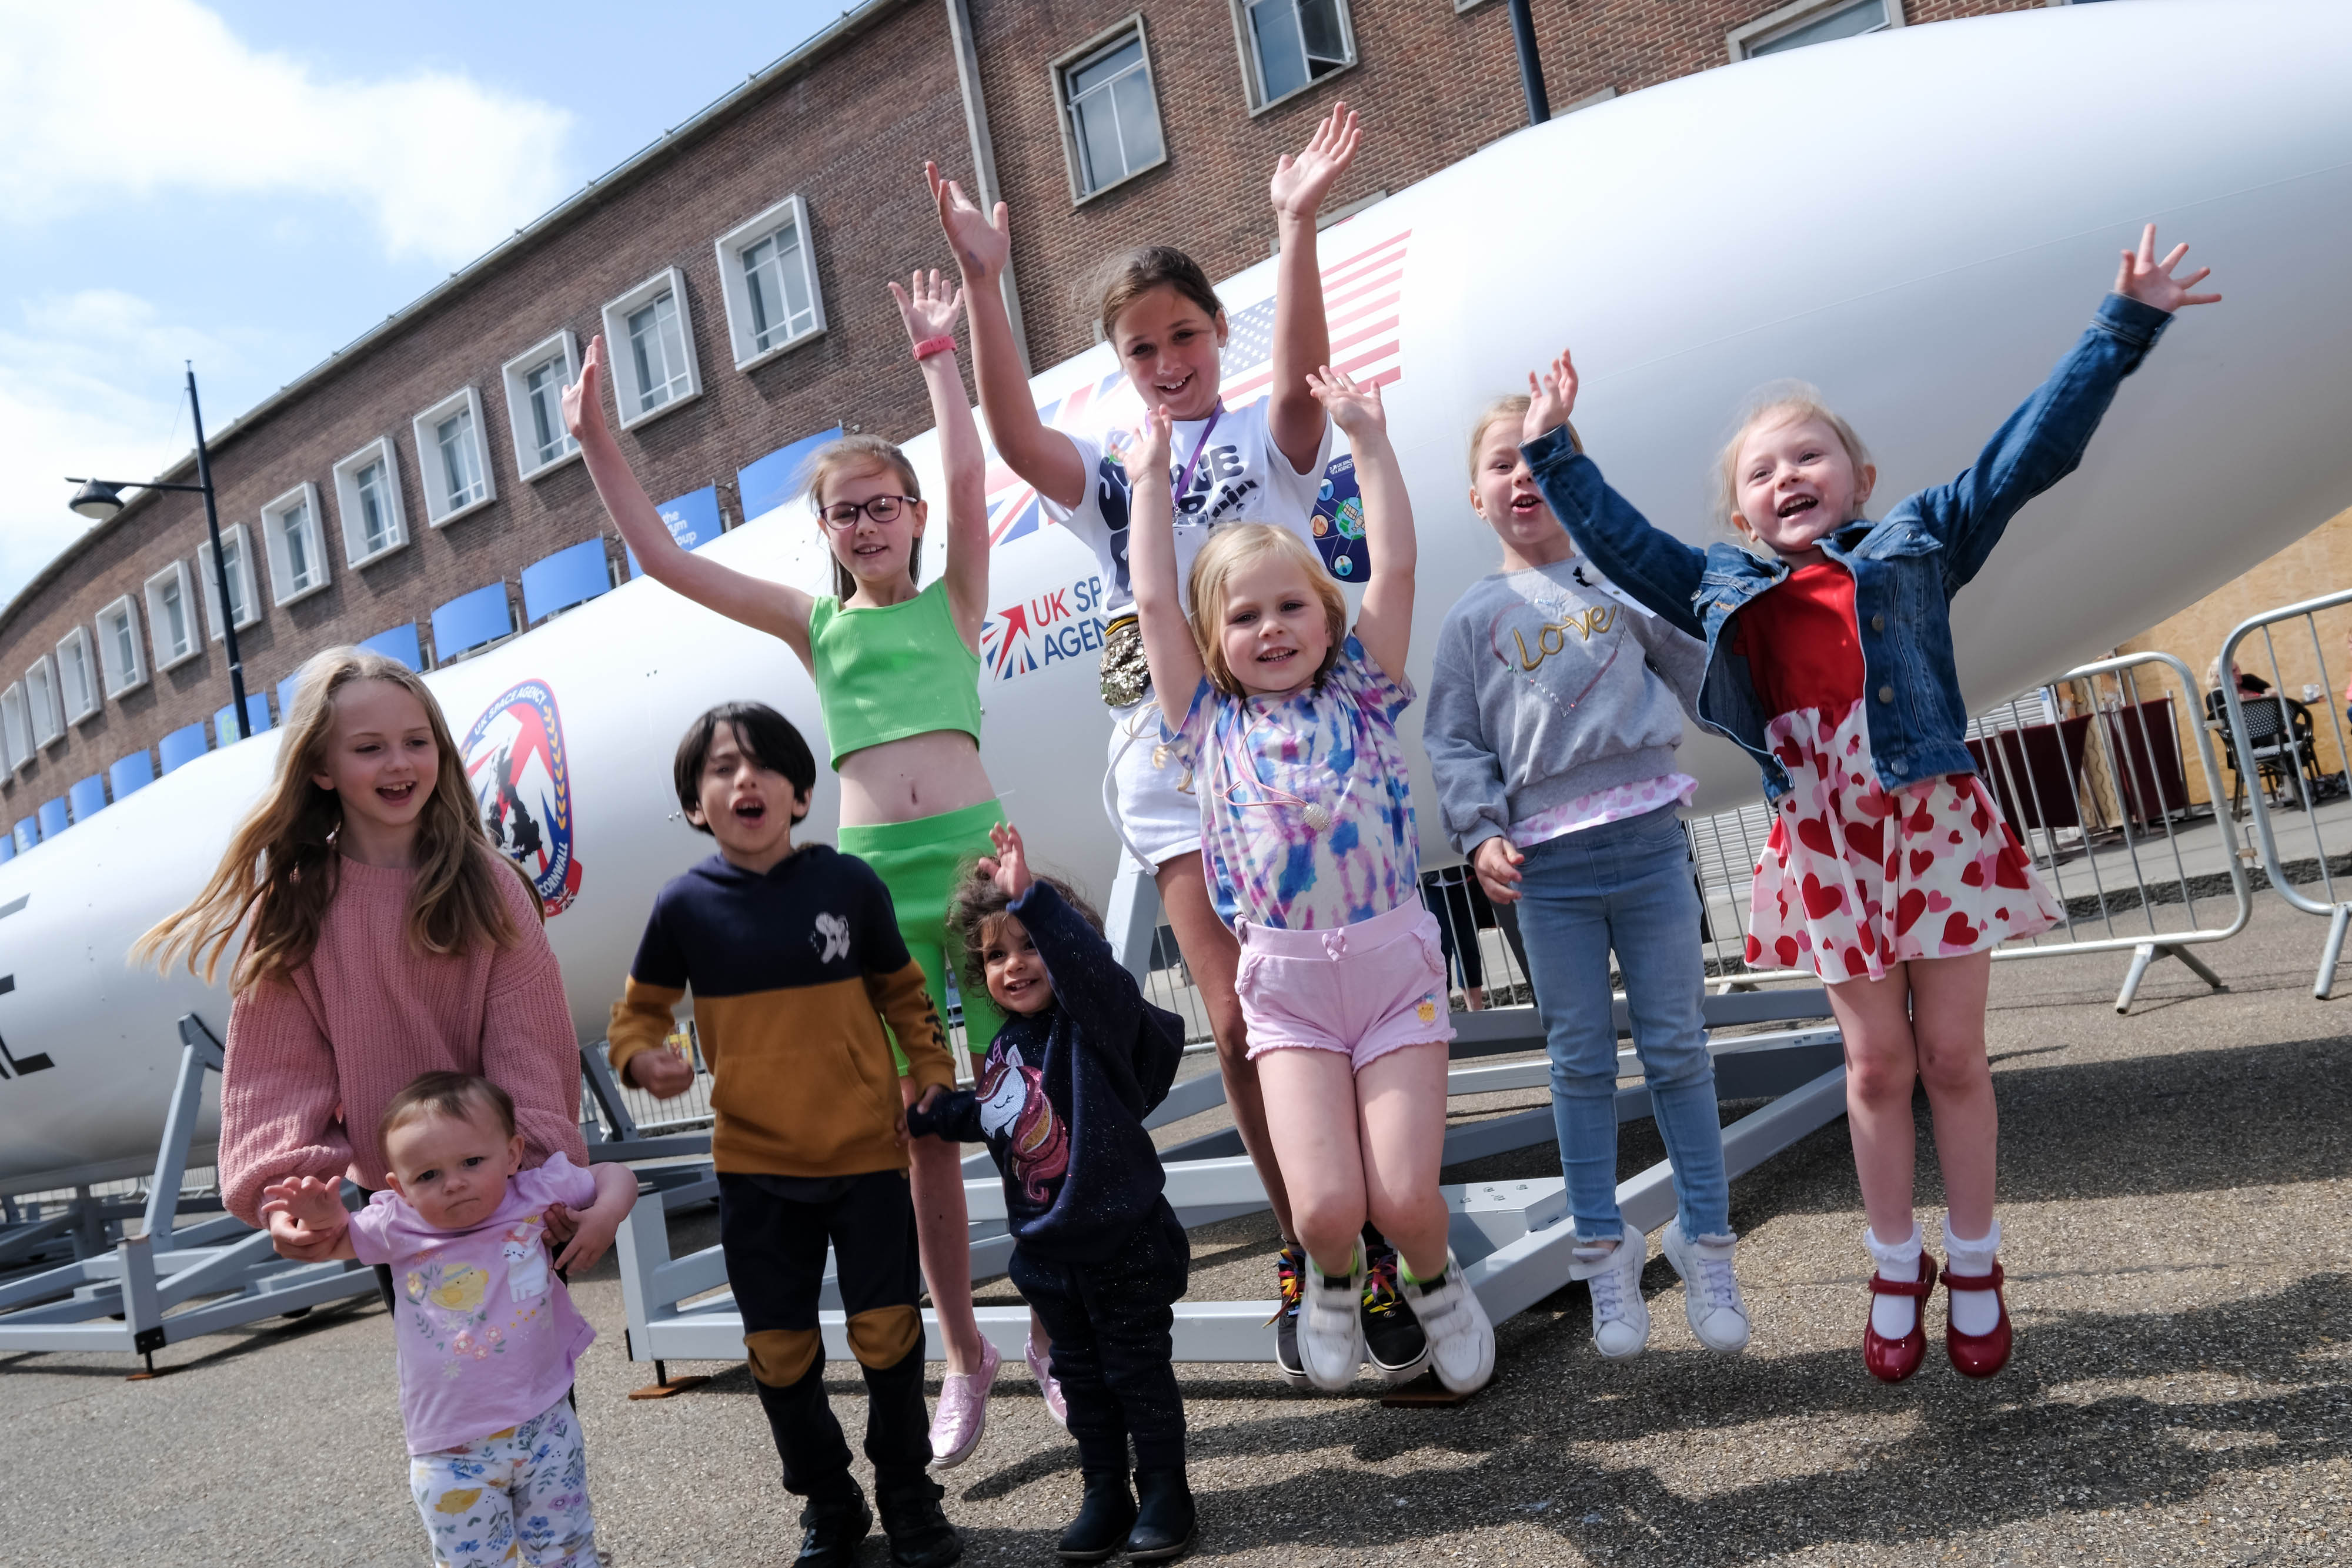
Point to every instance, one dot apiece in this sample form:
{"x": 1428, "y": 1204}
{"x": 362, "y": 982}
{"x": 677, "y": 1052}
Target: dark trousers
{"x": 774, "y": 1230}
{"x": 1112, "y": 1324}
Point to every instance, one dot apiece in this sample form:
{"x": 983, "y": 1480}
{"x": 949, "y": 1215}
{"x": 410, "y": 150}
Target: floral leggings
{"x": 517, "y": 1494}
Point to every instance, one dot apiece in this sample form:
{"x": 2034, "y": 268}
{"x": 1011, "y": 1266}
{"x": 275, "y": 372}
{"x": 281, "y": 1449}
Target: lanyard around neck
{"x": 1176, "y": 495}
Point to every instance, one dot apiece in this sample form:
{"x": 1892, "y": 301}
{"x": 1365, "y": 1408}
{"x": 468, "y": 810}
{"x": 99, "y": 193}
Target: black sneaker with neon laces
{"x": 1393, "y": 1340}
{"x": 1290, "y": 1265}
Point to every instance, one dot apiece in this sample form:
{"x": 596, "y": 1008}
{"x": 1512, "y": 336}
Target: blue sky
{"x": 252, "y": 184}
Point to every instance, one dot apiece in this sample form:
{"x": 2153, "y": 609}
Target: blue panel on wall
{"x": 257, "y": 714}
{"x": 693, "y": 517}
{"x": 28, "y": 832}
{"x": 87, "y": 797}
{"x": 182, "y": 745}
{"x": 7, "y": 848}
{"x": 471, "y": 619}
{"x": 133, "y": 773}
{"x": 286, "y": 690}
{"x": 52, "y": 814}
{"x": 399, "y": 643}
{"x": 567, "y": 578}
{"x": 775, "y": 479}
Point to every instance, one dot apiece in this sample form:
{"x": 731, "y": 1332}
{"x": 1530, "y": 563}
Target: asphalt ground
{"x": 2178, "y": 1224}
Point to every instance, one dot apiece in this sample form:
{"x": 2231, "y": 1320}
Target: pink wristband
{"x": 929, "y": 346}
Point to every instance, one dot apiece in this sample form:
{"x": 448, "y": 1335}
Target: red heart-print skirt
{"x": 1855, "y": 879}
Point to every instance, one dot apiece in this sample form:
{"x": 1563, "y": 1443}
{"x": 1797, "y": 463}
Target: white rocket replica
{"x": 1920, "y": 223}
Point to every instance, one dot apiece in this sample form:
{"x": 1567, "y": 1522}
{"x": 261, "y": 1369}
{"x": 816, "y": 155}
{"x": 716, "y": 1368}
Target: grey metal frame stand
{"x": 148, "y": 1281}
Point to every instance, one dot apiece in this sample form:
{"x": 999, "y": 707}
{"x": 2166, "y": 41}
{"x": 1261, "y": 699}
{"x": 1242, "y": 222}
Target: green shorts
{"x": 918, "y": 862}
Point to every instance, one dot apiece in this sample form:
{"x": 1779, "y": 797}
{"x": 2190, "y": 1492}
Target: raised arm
{"x": 930, "y": 308}
{"x": 1090, "y": 982}
{"x": 773, "y": 607}
{"x": 1168, "y": 649}
{"x": 1384, "y": 623}
{"x": 1043, "y": 457}
{"x": 1302, "y": 335}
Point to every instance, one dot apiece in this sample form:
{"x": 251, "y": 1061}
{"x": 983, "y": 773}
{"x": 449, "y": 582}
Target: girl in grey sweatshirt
{"x": 1554, "y": 712}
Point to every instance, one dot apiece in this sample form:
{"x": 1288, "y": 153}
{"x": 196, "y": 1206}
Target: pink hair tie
{"x": 942, "y": 344}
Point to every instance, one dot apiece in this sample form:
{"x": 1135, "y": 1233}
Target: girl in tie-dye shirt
{"x": 1307, "y": 818}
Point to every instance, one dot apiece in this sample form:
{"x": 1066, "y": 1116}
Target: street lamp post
{"x": 100, "y": 499}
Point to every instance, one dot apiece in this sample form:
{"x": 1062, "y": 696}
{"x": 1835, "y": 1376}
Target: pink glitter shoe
{"x": 1040, "y": 1367}
{"x": 962, "y": 1413}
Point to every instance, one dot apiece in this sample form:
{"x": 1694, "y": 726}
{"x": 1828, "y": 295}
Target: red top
{"x": 1802, "y": 646}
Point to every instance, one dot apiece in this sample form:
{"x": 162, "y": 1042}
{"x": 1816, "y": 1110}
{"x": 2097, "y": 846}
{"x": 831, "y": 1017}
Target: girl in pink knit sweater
{"x": 383, "y": 938}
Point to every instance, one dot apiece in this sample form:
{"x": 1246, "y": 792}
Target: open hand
{"x": 1497, "y": 865}
{"x": 1354, "y": 408}
{"x": 2150, "y": 281}
{"x": 1009, "y": 867}
{"x": 305, "y": 1217}
{"x": 583, "y": 400}
{"x": 1153, "y": 441}
{"x": 928, "y": 305}
{"x": 1552, "y": 398}
{"x": 983, "y": 243}
{"x": 663, "y": 1072}
{"x": 1300, "y": 184}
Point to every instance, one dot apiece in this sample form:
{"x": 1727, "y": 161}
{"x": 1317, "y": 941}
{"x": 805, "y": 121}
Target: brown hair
{"x": 858, "y": 453}
{"x": 1234, "y": 546}
{"x": 1513, "y": 408}
{"x": 977, "y": 905}
{"x": 279, "y": 868}
{"x": 454, "y": 1096}
{"x": 1774, "y": 404}
{"x": 1124, "y": 279}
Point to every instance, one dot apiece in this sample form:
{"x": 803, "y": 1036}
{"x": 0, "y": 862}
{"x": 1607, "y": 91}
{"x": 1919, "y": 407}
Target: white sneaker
{"x": 1711, "y": 1297}
{"x": 1621, "y": 1318}
{"x": 1461, "y": 1339}
{"x": 1330, "y": 1328}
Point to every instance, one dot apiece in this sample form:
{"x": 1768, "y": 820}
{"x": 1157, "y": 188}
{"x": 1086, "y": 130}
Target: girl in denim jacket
{"x": 1889, "y": 870}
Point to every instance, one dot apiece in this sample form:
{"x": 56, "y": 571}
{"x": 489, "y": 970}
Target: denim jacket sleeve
{"x": 2041, "y": 443}
{"x": 1645, "y": 560}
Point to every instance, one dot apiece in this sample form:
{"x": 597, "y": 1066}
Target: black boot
{"x": 831, "y": 1526}
{"x": 1164, "y": 1521}
{"x": 1103, "y": 1518}
{"x": 921, "y": 1535}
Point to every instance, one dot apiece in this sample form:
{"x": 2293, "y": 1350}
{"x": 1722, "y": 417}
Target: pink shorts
{"x": 1362, "y": 990}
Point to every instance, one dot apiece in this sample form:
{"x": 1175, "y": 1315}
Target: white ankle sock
{"x": 1973, "y": 1312}
{"x": 1895, "y": 1316}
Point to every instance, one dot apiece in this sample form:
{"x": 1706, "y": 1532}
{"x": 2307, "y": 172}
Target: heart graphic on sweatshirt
{"x": 1820, "y": 901}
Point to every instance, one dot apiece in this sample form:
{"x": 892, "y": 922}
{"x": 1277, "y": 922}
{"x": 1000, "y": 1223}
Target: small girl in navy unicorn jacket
{"x": 1889, "y": 870}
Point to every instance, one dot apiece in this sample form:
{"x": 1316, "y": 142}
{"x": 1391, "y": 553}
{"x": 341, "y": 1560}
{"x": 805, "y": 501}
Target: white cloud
{"x": 129, "y": 98}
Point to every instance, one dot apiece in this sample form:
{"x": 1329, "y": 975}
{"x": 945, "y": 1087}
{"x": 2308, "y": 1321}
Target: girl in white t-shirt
{"x": 1262, "y": 462}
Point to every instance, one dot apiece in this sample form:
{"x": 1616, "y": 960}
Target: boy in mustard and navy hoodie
{"x": 794, "y": 958}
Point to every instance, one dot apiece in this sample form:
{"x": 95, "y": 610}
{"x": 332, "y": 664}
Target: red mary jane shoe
{"x": 1892, "y": 1360}
{"x": 1978, "y": 1354}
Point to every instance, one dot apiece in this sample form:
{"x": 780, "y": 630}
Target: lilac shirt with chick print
{"x": 1263, "y": 761}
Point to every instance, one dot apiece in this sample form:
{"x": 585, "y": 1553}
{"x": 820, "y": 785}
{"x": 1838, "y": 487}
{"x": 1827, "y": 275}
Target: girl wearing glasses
{"x": 897, "y": 675}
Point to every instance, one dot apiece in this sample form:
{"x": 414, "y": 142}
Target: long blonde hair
{"x": 1231, "y": 548}
{"x": 280, "y": 865}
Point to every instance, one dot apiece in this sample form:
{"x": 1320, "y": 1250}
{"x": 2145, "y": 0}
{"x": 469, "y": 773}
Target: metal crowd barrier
{"x": 2273, "y": 738}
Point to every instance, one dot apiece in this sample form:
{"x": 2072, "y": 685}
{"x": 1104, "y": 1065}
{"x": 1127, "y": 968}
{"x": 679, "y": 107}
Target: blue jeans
{"x": 1627, "y": 885}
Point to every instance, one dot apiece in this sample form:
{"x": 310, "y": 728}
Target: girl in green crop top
{"x": 915, "y": 803}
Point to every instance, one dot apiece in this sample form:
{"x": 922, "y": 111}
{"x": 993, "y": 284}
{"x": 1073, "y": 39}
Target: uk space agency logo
{"x": 523, "y": 785}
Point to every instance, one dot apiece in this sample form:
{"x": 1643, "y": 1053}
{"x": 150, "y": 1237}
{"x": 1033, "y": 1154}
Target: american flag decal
{"x": 1362, "y": 296}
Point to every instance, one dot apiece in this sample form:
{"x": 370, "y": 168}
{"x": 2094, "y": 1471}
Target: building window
{"x": 1813, "y": 22}
{"x": 171, "y": 616}
{"x": 291, "y": 533}
{"x": 1110, "y": 118}
{"x": 367, "y": 494}
{"x": 117, "y": 647}
{"x": 15, "y": 727}
{"x": 451, "y": 458}
{"x": 41, "y": 701}
{"x": 1288, "y": 45}
{"x": 769, "y": 279}
{"x": 241, "y": 599}
{"x": 76, "y": 680}
{"x": 535, "y": 381}
{"x": 652, "y": 340}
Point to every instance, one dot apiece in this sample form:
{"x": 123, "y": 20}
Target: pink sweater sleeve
{"x": 279, "y": 1098}
{"x": 529, "y": 1047}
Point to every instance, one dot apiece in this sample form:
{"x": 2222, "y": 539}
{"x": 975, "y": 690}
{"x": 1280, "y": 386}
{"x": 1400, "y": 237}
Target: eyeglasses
{"x": 844, "y": 515}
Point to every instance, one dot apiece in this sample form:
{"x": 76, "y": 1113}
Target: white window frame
{"x": 438, "y": 512}
{"x": 41, "y": 701}
{"x": 283, "y": 590}
{"x": 16, "y": 729}
{"x": 1744, "y": 40}
{"x": 1253, "y": 79}
{"x": 75, "y": 654}
{"x": 735, "y": 288}
{"x": 516, "y": 374}
{"x": 351, "y": 513}
{"x": 233, "y": 541}
{"x": 109, "y": 637}
{"x": 174, "y": 573}
{"x": 1059, "y": 74}
{"x": 623, "y": 360}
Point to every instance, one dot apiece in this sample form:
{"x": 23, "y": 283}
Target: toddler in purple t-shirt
{"x": 487, "y": 1333}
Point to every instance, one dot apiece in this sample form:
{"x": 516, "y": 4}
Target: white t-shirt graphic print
{"x": 1242, "y": 477}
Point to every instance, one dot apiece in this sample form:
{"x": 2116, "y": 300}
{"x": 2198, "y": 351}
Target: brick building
{"x": 415, "y": 492}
